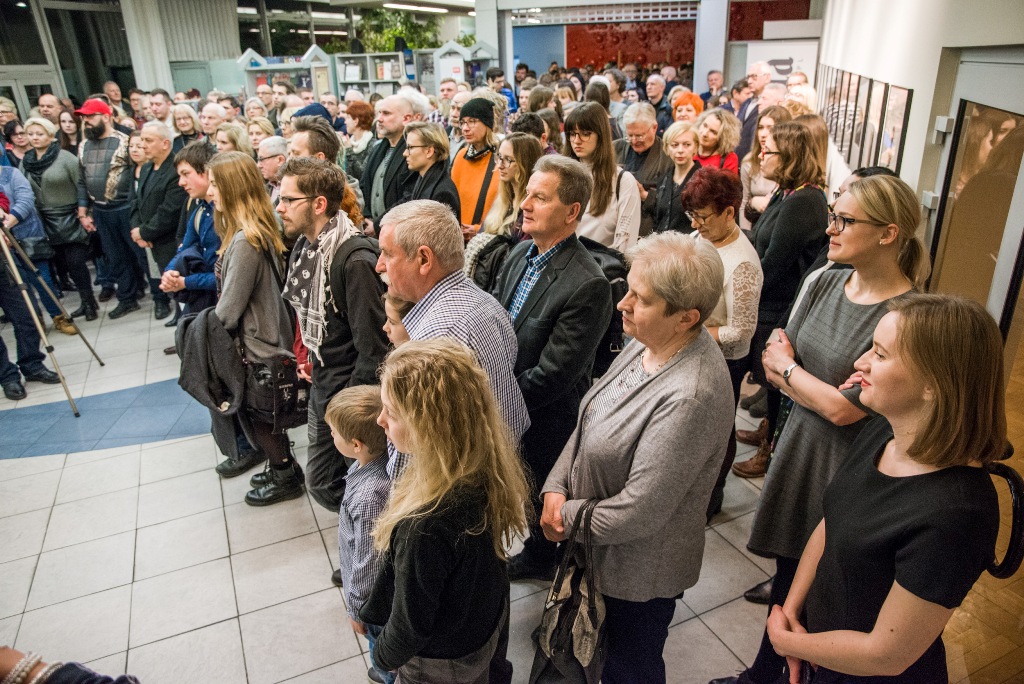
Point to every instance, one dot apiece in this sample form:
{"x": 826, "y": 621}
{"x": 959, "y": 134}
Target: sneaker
{"x": 123, "y": 308}
{"x": 336, "y": 578}
{"x": 285, "y": 484}
{"x": 232, "y": 467}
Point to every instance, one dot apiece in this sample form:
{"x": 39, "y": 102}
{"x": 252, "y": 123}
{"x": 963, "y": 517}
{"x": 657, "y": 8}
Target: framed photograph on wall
{"x": 876, "y": 103}
{"x": 859, "y": 127}
{"x": 897, "y": 110}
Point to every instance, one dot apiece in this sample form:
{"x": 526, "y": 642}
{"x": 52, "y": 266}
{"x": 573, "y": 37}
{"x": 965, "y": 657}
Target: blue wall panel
{"x": 538, "y": 46}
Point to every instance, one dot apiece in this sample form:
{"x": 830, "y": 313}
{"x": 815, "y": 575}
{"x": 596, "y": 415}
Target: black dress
{"x": 933, "y": 533}
{"x": 668, "y": 210}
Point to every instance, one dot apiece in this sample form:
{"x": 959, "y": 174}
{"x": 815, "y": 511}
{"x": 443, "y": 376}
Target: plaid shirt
{"x": 457, "y": 308}
{"x": 366, "y": 494}
{"x": 435, "y": 116}
{"x": 535, "y": 264}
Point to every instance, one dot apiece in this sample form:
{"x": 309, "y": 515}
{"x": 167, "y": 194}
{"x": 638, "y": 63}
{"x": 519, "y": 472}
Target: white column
{"x": 489, "y": 29}
{"x": 712, "y": 36}
{"x": 147, "y": 44}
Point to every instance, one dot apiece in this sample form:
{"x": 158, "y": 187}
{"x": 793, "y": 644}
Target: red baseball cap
{"x": 94, "y": 106}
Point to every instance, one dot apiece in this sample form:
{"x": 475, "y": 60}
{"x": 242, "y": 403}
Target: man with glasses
{"x": 272, "y": 153}
{"x": 759, "y": 75}
{"x": 641, "y": 154}
{"x": 333, "y": 286}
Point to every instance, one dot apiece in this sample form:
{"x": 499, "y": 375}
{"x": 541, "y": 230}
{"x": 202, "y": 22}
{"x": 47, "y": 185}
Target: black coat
{"x": 398, "y": 179}
{"x": 156, "y": 209}
{"x": 558, "y": 331}
{"x": 436, "y": 184}
{"x": 654, "y": 166}
{"x": 668, "y": 210}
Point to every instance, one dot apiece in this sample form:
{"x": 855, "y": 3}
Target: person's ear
{"x": 425, "y": 259}
{"x": 574, "y": 212}
{"x": 889, "y": 234}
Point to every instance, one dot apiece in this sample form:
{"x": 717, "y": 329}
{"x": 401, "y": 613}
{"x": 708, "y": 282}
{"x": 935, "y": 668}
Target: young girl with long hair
{"x": 718, "y": 133}
{"x": 613, "y": 214}
{"x": 758, "y": 190}
{"x": 250, "y": 271}
{"x": 442, "y": 595}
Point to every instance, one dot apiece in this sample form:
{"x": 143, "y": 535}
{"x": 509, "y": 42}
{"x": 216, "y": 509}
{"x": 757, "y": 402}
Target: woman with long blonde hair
{"x": 250, "y": 271}
{"x": 442, "y": 594}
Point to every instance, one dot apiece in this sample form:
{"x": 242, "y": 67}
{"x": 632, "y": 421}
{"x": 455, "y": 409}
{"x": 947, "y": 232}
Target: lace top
{"x": 735, "y": 315}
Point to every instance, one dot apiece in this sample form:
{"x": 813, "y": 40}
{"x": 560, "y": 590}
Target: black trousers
{"x": 73, "y": 255}
{"x": 769, "y": 665}
{"x": 637, "y": 632}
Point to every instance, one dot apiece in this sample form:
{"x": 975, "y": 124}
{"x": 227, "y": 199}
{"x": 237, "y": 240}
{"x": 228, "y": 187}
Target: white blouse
{"x": 735, "y": 315}
{"x": 619, "y": 226}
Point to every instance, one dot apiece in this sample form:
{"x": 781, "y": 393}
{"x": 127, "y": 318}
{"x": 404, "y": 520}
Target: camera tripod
{"x": 12, "y": 268}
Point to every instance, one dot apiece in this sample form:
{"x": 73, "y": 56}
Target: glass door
{"x": 25, "y": 92}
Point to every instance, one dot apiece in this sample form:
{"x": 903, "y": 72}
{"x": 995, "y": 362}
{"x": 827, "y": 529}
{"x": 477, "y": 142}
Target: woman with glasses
{"x": 503, "y": 226}
{"x": 758, "y": 190}
{"x": 17, "y": 141}
{"x": 718, "y": 133}
{"x": 680, "y": 144}
{"x": 186, "y": 123}
{"x": 426, "y": 153}
{"x": 871, "y": 229}
{"x": 612, "y": 217}
{"x": 712, "y": 200}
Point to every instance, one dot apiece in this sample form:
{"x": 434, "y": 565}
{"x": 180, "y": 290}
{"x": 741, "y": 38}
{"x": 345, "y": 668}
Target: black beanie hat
{"x": 479, "y": 108}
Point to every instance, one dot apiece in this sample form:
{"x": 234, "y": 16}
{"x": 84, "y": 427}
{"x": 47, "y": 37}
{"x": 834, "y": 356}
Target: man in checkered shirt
{"x": 421, "y": 255}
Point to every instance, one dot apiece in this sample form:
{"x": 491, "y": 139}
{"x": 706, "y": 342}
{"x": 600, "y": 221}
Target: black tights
{"x": 276, "y": 447}
{"x": 769, "y": 665}
{"x": 74, "y": 255}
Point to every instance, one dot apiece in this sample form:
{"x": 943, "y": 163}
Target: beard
{"x": 95, "y": 132}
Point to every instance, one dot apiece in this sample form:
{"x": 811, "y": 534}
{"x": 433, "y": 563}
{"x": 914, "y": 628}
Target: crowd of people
{"x": 434, "y": 276}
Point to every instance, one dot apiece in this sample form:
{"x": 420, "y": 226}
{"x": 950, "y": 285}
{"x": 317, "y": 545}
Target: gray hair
{"x": 780, "y": 88}
{"x": 686, "y": 273}
{"x": 160, "y": 128}
{"x": 426, "y": 223}
{"x": 216, "y": 108}
{"x": 185, "y": 109}
{"x": 254, "y": 101}
{"x": 760, "y": 68}
{"x": 575, "y": 184}
{"x": 274, "y": 145}
{"x": 640, "y": 112}
{"x": 418, "y": 103}
{"x": 45, "y": 124}
{"x": 657, "y": 77}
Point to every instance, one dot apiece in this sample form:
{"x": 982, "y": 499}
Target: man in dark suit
{"x": 561, "y": 304}
{"x": 387, "y": 180}
{"x": 641, "y": 153}
{"x": 156, "y": 210}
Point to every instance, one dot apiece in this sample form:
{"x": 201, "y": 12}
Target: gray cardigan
{"x": 250, "y": 303}
{"x": 652, "y": 461}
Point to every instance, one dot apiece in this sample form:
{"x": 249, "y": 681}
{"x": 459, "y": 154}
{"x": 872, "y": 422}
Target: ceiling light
{"x": 21, "y": 5}
{"x": 247, "y": 10}
{"x": 472, "y": 13}
{"x": 415, "y": 8}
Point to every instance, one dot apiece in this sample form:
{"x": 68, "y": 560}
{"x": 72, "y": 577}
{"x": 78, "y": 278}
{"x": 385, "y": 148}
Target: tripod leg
{"x": 12, "y": 268}
{"x": 56, "y": 300}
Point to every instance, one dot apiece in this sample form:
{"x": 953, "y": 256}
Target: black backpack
{"x": 613, "y": 265}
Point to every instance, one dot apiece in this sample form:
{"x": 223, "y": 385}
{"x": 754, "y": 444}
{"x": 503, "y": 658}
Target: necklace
{"x": 727, "y": 239}
{"x": 662, "y": 364}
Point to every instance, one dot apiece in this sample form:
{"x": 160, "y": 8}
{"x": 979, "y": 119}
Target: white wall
{"x": 901, "y": 42}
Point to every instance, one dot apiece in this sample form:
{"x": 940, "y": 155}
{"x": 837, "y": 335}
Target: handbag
{"x": 572, "y": 636}
{"x": 274, "y": 394}
{"x": 61, "y": 225}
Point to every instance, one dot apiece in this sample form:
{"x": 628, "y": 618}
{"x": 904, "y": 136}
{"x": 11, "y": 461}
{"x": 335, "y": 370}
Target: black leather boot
{"x": 263, "y": 478}
{"x": 231, "y": 467}
{"x": 285, "y": 483}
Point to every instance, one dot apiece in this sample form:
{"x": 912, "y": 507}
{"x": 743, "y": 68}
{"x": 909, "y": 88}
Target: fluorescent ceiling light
{"x": 472, "y": 13}
{"x": 415, "y": 8}
{"x": 247, "y": 10}
{"x": 330, "y": 15}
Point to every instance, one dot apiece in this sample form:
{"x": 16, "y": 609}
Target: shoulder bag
{"x": 572, "y": 636}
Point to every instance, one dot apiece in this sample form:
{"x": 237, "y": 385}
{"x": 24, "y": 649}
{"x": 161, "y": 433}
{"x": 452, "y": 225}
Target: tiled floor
{"x": 130, "y": 554}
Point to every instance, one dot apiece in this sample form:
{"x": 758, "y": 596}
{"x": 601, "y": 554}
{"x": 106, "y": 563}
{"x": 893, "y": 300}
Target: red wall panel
{"x": 640, "y": 41}
{"x": 746, "y": 19}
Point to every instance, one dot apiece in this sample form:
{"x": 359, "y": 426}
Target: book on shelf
{"x": 353, "y": 72}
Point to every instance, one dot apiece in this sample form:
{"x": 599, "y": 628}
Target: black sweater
{"x": 788, "y": 238}
{"x": 441, "y": 591}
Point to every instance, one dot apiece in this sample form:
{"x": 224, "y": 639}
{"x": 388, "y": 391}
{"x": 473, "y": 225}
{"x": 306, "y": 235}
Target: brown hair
{"x": 819, "y": 133}
{"x": 956, "y": 347}
{"x": 777, "y": 114}
{"x": 317, "y": 177}
{"x": 590, "y": 116}
{"x": 244, "y": 204}
{"x": 320, "y": 137}
{"x": 362, "y": 113}
{"x": 402, "y": 306}
{"x": 353, "y": 412}
{"x": 799, "y": 162}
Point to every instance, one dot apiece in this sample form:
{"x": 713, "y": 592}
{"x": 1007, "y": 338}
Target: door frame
{"x": 17, "y": 82}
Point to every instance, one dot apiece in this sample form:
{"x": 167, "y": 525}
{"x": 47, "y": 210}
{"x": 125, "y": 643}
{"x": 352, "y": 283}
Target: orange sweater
{"x": 468, "y": 176}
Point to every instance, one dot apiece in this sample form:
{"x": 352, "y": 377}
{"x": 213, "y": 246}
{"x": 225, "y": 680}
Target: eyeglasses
{"x": 582, "y": 135}
{"x": 269, "y": 156}
{"x": 416, "y": 147}
{"x": 768, "y": 153}
{"x": 841, "y": 222}
{"x": 503, "y": 160}
{"x": 638, "y": 137}
{"x": 288, "y": 201}
{"x": 468, "y": 122}
{"x": 697, "y": 219}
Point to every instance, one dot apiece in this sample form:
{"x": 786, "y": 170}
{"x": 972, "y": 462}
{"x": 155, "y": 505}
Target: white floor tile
{"x": 179, "y": 497}
{"x": 29, "y": 493}
{"x": 179, "y": 458}
{"x": 725, "y": 574}
{"x": 111, "y": 666}
{"x": 297, "y": 637}
{"x": 253, "y": 526}
{"x": 100, "y": 477}
{"x": 11, "y": 468}
{"x": 524, "y": 616}
{"x": 694, "y": 655}
{"x": 15, "y": 580}
{"x": 280, "y": 572}
{"x": 330, "y": 538}
{"x": 351, "y": 670}
{"x": 81, "y": 630}
{"x": 88, "y": 519}
{"x": 80, "y": 457}
{"x": 737, "y": 533}
{"x": 22, "y": 535}
{"x": 9, "y": 629}
{"x": 75, "y": 571}
{"x": 181, "y": 601}
{"x": 740, "y": 625}
{"x": 180, "y": 543}
{"x": 211, "y": 654}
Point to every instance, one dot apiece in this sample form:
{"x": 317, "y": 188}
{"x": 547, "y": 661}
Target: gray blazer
{"x": 652, "y": 461}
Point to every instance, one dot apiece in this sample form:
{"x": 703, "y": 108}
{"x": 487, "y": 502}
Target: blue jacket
{"x": 206, "y": 239}
{"x": 23, "y": 203}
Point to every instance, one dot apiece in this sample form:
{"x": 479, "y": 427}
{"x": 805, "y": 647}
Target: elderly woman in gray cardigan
{"x": 648, "y": 445}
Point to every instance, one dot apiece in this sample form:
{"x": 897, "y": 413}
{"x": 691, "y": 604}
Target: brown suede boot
{"x": 757, "y": 465}
{"x": 754, "y": 437}
{"x": 63, "y": 324}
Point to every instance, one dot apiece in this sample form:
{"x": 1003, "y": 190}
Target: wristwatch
{"x": 789, "y": 371}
